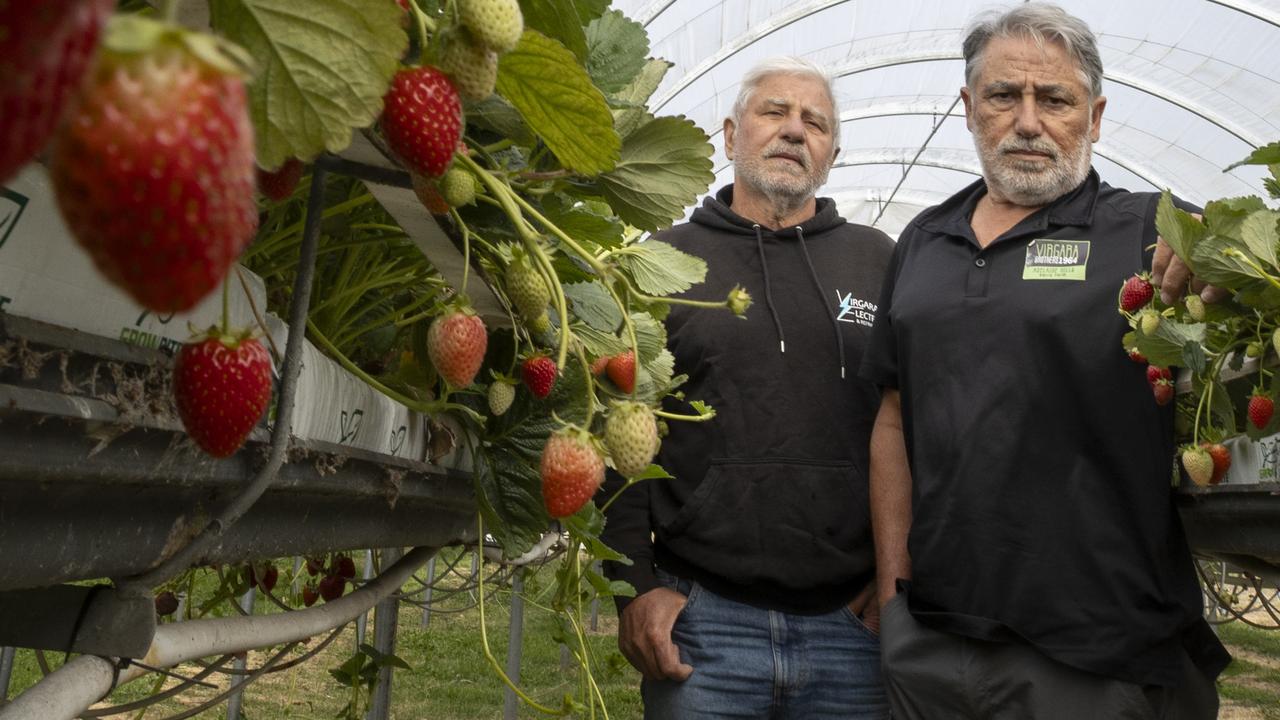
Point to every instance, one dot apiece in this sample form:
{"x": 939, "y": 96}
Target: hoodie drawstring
{"x": 768, "y": 292}
{"x": 835, "y": 324}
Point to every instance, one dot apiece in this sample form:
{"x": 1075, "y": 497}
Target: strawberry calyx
{"x": 128, "y": 34}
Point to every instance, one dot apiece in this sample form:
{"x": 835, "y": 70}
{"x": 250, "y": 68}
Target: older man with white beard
{"x": 1030, "y": 560}
{"x": 753, "y": 565}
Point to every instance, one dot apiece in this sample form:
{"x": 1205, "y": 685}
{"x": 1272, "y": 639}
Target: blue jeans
{"x": 767, "y": 665}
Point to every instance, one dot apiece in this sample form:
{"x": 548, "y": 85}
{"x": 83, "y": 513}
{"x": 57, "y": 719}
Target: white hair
{"x": 786, "y": 65}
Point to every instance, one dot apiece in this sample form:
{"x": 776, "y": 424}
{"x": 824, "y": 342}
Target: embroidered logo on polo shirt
{"x": 1051, "y": 259}
{"x": 855, "y": 310}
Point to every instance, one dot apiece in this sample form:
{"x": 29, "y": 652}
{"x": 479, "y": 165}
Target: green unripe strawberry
{"x": 1275, "y": 340}
{"x": 1199, "y": 465}
{"x": 1195, "y": 307}
{"x": 526, "y": 288}
{"x": 458, "y": 187}
{"x": 473, "y": 67}
{"x": 540, "y": 324}
{"x": 1148, "y": 321}
{"x": 497, "y": 24}
{"x": 1253, "y": 350}
{"x": 501, "y": 394}
{"x": 631, "y": 435}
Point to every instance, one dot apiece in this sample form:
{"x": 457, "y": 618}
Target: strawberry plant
{"x": 526, "y": 131}
{"x": 1234, "y": 244}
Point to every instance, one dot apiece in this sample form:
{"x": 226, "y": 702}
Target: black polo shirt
{"x": 1041, "y": 465}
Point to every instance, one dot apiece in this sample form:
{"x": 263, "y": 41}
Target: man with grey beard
{"x": 1030, "y": 560}
{"x": 753, "y": 565}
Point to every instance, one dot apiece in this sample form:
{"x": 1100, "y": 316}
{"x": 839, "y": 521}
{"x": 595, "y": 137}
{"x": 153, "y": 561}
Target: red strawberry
{"x": 314, "y": 566}
{"x": 45, "y": 49}
{"x": 346, "y": 567}
{"x": 1163, "y": 391}
{"x": 539, "y": 374}
{"x": 1261, "y": 407}
{"x": 309, "y": 595}
{"x": 1221, "y": 460}
{"x": 153, "y": 170}
{"x": 571, "y": 471}
{"x": 622, "y": 371}
{"x": 429, "y": 195}
{"x": 422, "y": 119}
{"x": 166, "y": 603}
{"x": 280, "y": 183}
{"x": 456, "y": 343}
{"x": 332, "y": 587}
{"x": 268, "y": 578}
{"x": 1136, "y": 356}
{"x": 404, "y": 5}
{"x": 1136, "y": 293}
{"x": 1155, "y": 373}
{"x": 221, "y": 385}
{"x": 599, "y": 364}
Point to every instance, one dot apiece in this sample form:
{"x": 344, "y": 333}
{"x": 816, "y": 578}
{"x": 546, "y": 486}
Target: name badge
{"x": 1049, "y": 259}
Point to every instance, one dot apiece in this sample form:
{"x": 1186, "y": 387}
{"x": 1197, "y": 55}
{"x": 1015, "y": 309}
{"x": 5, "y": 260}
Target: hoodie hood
{"x": 715, "y": 213}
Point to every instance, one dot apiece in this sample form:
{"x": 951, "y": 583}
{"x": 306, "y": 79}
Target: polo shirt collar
{"x": 1075, "y": 208}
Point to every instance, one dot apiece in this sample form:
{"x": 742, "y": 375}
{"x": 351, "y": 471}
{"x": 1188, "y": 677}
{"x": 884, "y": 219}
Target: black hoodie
{"x": 769, "y": 501}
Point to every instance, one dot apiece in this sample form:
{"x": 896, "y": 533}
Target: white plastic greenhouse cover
{"x": 1191, "y": 88}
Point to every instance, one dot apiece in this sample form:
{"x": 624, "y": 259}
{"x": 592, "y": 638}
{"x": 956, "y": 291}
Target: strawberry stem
{"x": 590, "y": 385}
{"x": 484, "y": 635}
{"x": 427, "y": 408}
{"x": 685, "y": 418}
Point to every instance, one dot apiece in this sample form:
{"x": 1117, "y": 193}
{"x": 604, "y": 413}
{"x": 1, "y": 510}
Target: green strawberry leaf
{"x": 592, "y": 303}
{"x": 1272, "y": 184}
{"x": 661, "y": 269}
{"x": 556, "y": 98}
{"x": 1165, "y": 347}
{"x": 509, "y": 493}
{"x": 580, "y": 222}
{"x": 1178, "y": 227}
{"x": 1260, "y": 235}
{"x": 654, "y": 472}
{"x": 589, "y": 10}
{"x": 631, "y": 111}
{"x": 322, "y": 69}
{"x": 616, "y": 50}
{"x": 598, "y": 343}
{"x": 1224, "y": 261}
{"x": 1259, "y": 294}
{"x": 664, "y": 167}
{"x": 1265, "y": 155}
{"x": 1224, "y": 217}
{"x": 651, "y": 337}
{"x": 1193, "y": 357}
{"x": 559, "y": 20}
{"x": 495, "y": 114}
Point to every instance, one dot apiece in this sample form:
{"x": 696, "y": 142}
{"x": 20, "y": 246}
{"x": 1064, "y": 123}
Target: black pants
{"x": 932, "y": 675}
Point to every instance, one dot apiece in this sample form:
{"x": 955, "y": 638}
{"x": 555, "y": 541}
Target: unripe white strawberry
{"x": 501, "y": 394}
{"x": 631, "y": 435}
{"x": 497, "y": 24}
{"x": 472, "y": 66}
{"x": 1198, "y": 464}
